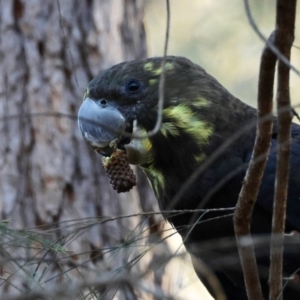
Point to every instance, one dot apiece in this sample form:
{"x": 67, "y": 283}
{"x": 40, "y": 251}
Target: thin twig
{"x": 162, "y": 78}
{"x": 107, "y": 279}
{"x": 65, "y": 40}
{"x": 295, "y": 114}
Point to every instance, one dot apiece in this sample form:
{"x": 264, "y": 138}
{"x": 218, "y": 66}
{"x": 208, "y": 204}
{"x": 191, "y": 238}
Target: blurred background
{"x": 217, "y": 35}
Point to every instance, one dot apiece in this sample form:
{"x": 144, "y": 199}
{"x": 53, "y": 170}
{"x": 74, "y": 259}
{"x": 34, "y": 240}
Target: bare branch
{"x": 285, "y": 24}
{"x": 248, "y": 194}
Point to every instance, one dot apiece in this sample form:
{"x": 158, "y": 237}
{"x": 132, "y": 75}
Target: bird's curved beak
{"x": 101, "y": 125}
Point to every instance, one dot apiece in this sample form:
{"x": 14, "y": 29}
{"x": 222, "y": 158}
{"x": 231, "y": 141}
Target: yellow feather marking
{"x": 156, "y": 179}
{"x": 169, "y": 128}
{"x": 139, "y": 151}
{"x": 152, "y": 81}
{"x": 168, "y": 66}
{"x": 200, "y": 158}
{"x": 200, "y": 102}
{"x": 86, "y": 94}
{"x": 149, "y": 66}
{"x": 147, "y": 146}
{"x": 184, "y": 118}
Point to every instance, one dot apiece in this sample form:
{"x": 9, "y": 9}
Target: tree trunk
{"x": 54, "y": 193}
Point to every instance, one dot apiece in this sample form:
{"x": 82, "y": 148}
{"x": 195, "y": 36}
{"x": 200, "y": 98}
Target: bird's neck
{"x": 187, "y": 139}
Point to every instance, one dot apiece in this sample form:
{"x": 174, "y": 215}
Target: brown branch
{"x": 249, "y": 191}
{"x": 285, "y": 25}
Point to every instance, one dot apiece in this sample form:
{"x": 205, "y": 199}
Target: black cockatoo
{"x": 198, "y": 116}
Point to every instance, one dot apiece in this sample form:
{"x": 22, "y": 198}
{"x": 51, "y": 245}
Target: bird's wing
{"x": 266, "y": 193}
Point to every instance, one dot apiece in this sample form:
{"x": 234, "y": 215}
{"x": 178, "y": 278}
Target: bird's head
{"x": 121, "y": 105}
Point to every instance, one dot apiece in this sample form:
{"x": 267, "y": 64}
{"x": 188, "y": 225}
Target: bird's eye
{"x": 133, "y": 86}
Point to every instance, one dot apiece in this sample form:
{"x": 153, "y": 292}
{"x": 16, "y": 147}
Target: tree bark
{"x": 54, "y": 192}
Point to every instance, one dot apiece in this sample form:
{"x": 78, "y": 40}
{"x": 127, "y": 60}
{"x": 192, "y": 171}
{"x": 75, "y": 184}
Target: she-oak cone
{"x": 119, "y": 172}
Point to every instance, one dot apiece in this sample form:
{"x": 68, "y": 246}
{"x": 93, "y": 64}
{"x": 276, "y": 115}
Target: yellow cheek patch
{"x": 183, "y": 117}
{"x": 139, "y": 151}
{"x": 147, "y": 146}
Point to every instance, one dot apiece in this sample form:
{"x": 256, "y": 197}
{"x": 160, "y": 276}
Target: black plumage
{"x": 199, "y": 116}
